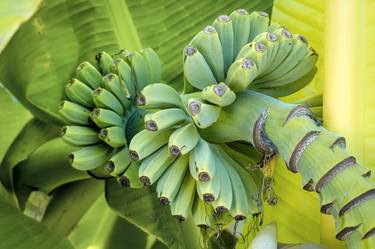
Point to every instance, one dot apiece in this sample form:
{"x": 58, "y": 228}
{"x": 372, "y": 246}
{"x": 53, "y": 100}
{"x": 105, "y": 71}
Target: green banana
{"x": 173, "y": 180}
{"x": 154, "y": 64}
{"x": 105, "y": 118}
{"x": 146, "y": 142}
{"x": 105, "y": 99}
{"x": 119, "y": 162}
{"x": 183, "y": 140}
{"x": 181, "y": 205}
{"x": 139, "y": 66}
{"x": 124, "y": 71}
{"x": 210, "y": 190}
{"x": 90, "y": 157}
{"x": 224, "y": 27}
{"x": 224, "y": 201}
{"x": 219, "y": 94}
{"x": 202, "y": 161}
{"x": 105, "y": 62}
{"x": 196, "y": 69}
{"x": 273, "y": 27}
{"x": 114, "y": 136}
{"x": 80, "y": 93}
{"x": 79, "y": 135}
{"x": 202, "y": 213}
{"x": 241, "y": 74}
{"x": 130, "y": 177}
{"x": 160, "y": 184}
{"x": 155, "y": 165}
{"x": 164, "y": 119}
{"x": 112, "y": 83}
{"x": 259, "y": 22}
{"x": 159, "y": 96}
{"x": 74, "y": 113}
{"x": 305, "y": 65}
{"x": 203, "y": 114}
{"x": 257, "y": 52}
{"x": 296, "y": 54}
{"x": 271, "y": 41}
{"x": 207, "y": 42}
{"x": 284, "y": 48}
{"x": 241, "y": 29}
{"x": 89, "y": 75}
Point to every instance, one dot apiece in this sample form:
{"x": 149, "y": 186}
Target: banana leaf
{"x": 21, "y": 232}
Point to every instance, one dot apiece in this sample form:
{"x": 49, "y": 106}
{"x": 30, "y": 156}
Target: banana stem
{"x": 344, "y": 186}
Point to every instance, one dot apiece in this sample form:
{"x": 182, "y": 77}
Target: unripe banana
{"x": 202, "y": 213}
{"x": 224, "y": 27}
{"x": 90, "y": 157}
{"x": 159, "y": 96}
{"x": 164, "y": 119}
{"x": 161, "y": 181}
{"x": 202, "y": 162}
{"x": 146, "y": 142}
{"x": 301, "y": 69}
{"x": 112, "y": 83}
{"x": 113, "y": 136}
{"x": 273, "y": 27}
{"x": 271, "y": 41}
{"x": 78, "y": 92}
{"x": 219, "y": 94}
{"x": 153, "y": 63}
{"x": 130, "y": 177}
{"x": 119, "y": 162}
{"x": 203, "y": 114}
{"x": 105, "y": 118}
{"x": 259, "y": 22}
{"x": 183, "y": 140}
{"x": 173, "y": 181}
{"x": 74, "y": 113}
{"x": 105, "y": 99}
{"x": 155, "y": 165}
{"x": 241, "y": 29}
{"x": 284, "y": 48}
{"x": 208, "y": 44}
{"x": 79, "y": 135}
{"x": 105, "y": 62}
{"x": 89, "y": 75}
{"x": 296, "y": 54}
{"x": 181, "y": 205}
{"x": 257, "y": 52}
{"x": 196, "y": 69}
{"x": 140, "y": 69}
{"x": 209, "y": 190}
{"x": 122, "y": 68}
{"x": 224, "y": 202}
{"x": 241, "y": 74}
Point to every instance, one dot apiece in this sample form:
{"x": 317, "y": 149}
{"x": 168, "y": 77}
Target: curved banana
{"x": 224, "y": 27}
{"x": 219, "y": 94}
{"x": 79, "y": 135}
{"x": 146, "y": 142}
{"x": 112, "y": 83}
{"x": 209, "y": 190}
{"x": 130, "y": 177}
{"x": 202, "y": 161}
{"x": 105, "y": 118}
{"x": 89, "y": 75}
{"x": 123, "y": 70}
{"x": 74, "y": 113}
{"x": 181, "y": 205}
{"x": 90, "y": 157}
{"x": 105, "y": 99}
{"x": 241, "y": 29}
{"x": 164, "y": 119}
{"x": 113, "y": 136}
{"x": 203, "y": 114}
{"x": 140, "y": 67}
{"x": 154, "y": 64}
{"x": 105, "y": 62}
{"x": 78, "y": 92}
{"x": 159, "y": 96}
{"x": 202, "y": 213}
{"x": 119, "y": 162}
{"x": 183, "y": 140}
{"x": 259, "y": 21}
{"x": 241, "y": 73}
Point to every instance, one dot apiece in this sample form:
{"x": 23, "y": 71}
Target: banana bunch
{"x": 244, "y": 51}
{"x": 207, "y": 181}
{"x": 100, "y": 101}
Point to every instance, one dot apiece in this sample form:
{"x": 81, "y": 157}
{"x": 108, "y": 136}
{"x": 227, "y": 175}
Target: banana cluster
{"x": 193, "y": 176}
{"x": 100, "y": 101}
{"x": 244, "y": 51}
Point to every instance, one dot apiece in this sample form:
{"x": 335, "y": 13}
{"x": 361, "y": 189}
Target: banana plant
{"x": 204, "y": 149}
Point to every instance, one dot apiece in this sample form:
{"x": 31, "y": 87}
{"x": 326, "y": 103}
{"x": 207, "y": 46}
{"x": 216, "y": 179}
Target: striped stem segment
{"x": 344, "y": 186}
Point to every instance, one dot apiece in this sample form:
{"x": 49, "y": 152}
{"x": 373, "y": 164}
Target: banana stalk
{"x": 318, "y": 155}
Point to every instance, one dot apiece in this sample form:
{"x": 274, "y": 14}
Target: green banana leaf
{"x": 48, "y": 47}
{"x": 102, "y": 228}
{"x": 21, "y": 232}
{"x": 13, "y": 117}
